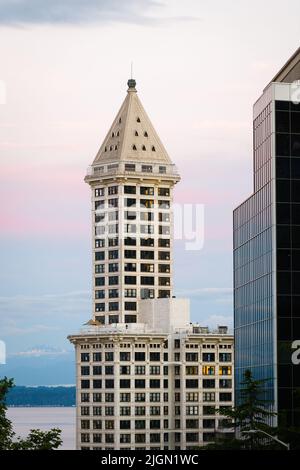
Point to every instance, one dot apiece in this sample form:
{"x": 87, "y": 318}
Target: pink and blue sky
{"x": 199, "y": 66}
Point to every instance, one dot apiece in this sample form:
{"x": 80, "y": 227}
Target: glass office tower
{"x": 266, "y": 241}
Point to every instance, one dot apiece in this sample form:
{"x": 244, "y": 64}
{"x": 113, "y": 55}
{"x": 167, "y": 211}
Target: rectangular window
{"x": 225, "y": 370}
{"x": 113, "y": 306}
{"x": 140, "y": 397}
{"x": 192, "y": 383}
{"x": 113, "y": 280}
{"x": 140, "y": 370}
{"x": 147, "y": 280}
{"x": 140, "y": 411}
{"x": 154, "y": 383}
{"x": 99, "y": 243}
{"x": 113, "y": 293}
{"x": 85, "y": 397}
{"x": 129, "y": 189}
{"x": 154, "y": 397}
{"x": 130, "y": 305}
{"x": 209, "y": 383}
{"x": 147, "y": 293}
{"x": 147, "y": 268}
{"x": 124, "y": 356}
{"x": 130, "y": 279}
{"x": 140, "y": 383}
{"x": 124, "y": 370}
{"x": 192, "y": 410}
{"x": 97, "y": 370}
{"x": 192, "y": 396}
{"x": 209, "y": 396}
{"x": 139, "y": 356}
{"x": 97, "y": 397}
{"x": 99, "y": 256}
{"x": 147, "y": 191}
{"x": 99, "y": 192}
{"x": 85, "y": 357}
{"x": 109, "y": 356}
{"x": 112, "y": 190}
{"x": 131, "y": 267}
{"x": 124, "y": 397}
{"x": 208, "y": 370}
{"x": 146, "y": 168}
{"x": 164, "y": 255}
{"x": 225, "y": 396}
{"x": 124, "y": 383}
{"x": 154, "y": 356}
{"x": 99, "y": 268}
{"x": 130, "y": 202}
{"x": 164, "y": 192}
{"x": 191, "y": 357}
{"x": 130, "y": 293}
{"x": 208, "y": 357}
{"x": 147, "y": 242}
{"x": 85, "y": 384}
{"x": 129, "y": 167}
{"x": 113, "y": 267}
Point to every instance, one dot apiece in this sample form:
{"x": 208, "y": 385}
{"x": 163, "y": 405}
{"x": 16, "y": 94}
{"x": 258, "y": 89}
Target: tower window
{"x": 143, "y": 147}
{"x": 145, "y": 134}
{"x": 113, "y": 134}
{"x": 118, "y": 133}
{"x": 105, "y": 149}
{"x": 138, "y": 119}
{"x": 133, "y": 147}
{"x": 120, "y": 120}
{"x": 116, "y": 147}
{"x": 153, "y": 148}
{"x": 111, "y": 147}
{"x": 136, "y": 133}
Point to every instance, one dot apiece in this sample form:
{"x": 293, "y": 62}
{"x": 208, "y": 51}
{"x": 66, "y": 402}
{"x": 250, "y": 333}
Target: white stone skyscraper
{"x": 132, "y": 180}
{"x": 146, "y": 377}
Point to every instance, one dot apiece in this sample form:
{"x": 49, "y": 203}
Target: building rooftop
{"x": 290, "y": 71}
{"x": 132, "y": 136}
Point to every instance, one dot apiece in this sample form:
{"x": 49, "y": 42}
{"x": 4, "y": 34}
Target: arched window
{"x": 133, "y": 147}
{"x": 144, "y": 148}
{"x": 105, "y": 149}
{"x": 116, "y": 147}
{"x": 118, "y": 133}
{"x": 145, "y": 134}
{"x": 111, "y": 147}
{"x": 153, "y": 148}
{"x": 113, "y": 134}
{"x": 120, "y": 120}
{"x": 138, "y": 119}
{"x": 136, "y": 133}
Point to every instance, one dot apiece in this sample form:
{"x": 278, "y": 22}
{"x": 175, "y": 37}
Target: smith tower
{"x": 132, "y": 180}
{"x": 146, "y": 376}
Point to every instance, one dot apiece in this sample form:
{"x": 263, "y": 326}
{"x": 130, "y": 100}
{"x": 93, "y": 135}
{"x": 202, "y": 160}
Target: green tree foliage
{"x": 36, "y": 439}
{"x": 251, "y": 414}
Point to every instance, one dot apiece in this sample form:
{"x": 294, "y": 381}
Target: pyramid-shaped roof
{"x": 132, "y": 137}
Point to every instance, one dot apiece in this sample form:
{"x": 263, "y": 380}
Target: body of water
{"x": 45, "y": 418}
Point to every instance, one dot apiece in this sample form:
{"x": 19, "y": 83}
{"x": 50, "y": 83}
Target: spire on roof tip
{"x": 131, "y": 84}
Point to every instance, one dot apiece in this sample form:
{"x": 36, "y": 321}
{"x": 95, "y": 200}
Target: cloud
{"x": 39, "y": 351}
{"x": 27, "y": 315}
{"x": 20, "y": 12}
{"x": 213, "y": 294}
